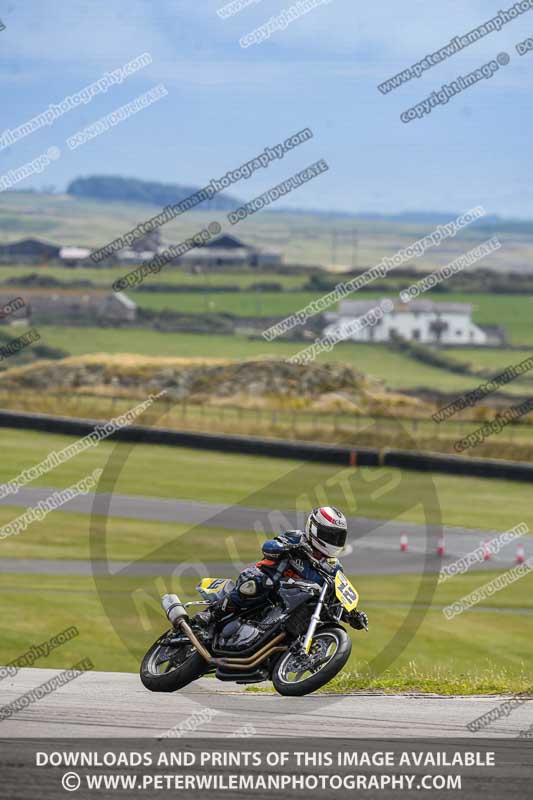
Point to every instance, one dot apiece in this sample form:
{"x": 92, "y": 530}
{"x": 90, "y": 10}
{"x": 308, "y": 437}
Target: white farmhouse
{"x": 418, "y": 321}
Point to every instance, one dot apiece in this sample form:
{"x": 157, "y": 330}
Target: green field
{"x": 514, "y": 312}
{"x": 65, "y": 536}
{"x": 337, "y": 242}
{"x": 181, "y": 473}
{"x": 474, "y": 652}
{"x": 104, "y": 277}
{"x": 491, "y": 359}
{"x": 396, "y": 370}
{"x": 242, "y": 304}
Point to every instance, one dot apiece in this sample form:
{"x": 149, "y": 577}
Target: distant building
{"x": 150, "y": 242}
{"x": 28, "y": 251}
{"x": 142, "y": 249}
{"x": 226, "y": 251}
{"x": 421, "y": 321}
{"x": 132, "y": 257}
{"x": 54, "y": 306}
{"x": 74, "y": 256}
{"x": 229, "y": 251}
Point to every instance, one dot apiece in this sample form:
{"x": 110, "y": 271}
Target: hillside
{"x": 132, "y": 190}
{"x": 338, "y": 242}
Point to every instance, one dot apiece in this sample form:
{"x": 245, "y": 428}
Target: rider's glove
{"x": 358, "y": 620}
{"x": 274, "y": 549}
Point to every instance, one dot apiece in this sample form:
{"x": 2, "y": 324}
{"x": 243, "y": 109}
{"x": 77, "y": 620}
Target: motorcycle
{"x": 295, "y": 639}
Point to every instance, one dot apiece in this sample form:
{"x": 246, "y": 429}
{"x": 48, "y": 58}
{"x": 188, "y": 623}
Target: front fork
{"x": 315, "y": 619}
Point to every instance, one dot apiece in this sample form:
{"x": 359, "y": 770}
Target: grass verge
{"x": 478, "y": 652}
{"x": 211, "y": 477}
{"x": 65, "y": 536}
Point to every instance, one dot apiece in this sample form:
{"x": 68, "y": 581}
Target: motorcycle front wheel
{"x": 167, "y": 669}
{"x": 291, "y": 678}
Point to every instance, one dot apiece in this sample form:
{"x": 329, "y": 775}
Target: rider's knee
{"x": 252, "y": 587}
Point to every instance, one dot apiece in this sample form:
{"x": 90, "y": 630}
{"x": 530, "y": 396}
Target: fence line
{"x": 187, "y": 410}
{"x": 300, "y": 451}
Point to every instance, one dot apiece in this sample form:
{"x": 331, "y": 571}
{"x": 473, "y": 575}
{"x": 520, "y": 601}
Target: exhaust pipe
{"x": 174, "y": 609}
{"x": 178, "y": 617}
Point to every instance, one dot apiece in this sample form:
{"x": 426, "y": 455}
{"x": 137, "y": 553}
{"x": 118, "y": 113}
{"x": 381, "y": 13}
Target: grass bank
{"x": 480, "y": 651}
{"x": 186, "y": 474}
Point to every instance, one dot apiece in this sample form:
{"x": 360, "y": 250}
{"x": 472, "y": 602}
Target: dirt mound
{"x": 186, "y": 378}
{"x": 259, "y": 383}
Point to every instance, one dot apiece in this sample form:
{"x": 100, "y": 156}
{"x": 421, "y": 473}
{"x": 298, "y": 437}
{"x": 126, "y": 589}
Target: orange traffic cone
{"x": 403, "y": 542}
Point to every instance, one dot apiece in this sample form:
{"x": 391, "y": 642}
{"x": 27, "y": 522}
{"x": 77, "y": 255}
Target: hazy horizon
{"x": 226, "y": 103}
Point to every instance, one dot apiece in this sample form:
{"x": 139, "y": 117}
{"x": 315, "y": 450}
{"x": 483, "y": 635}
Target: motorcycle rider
{"x": 322, "y": 540}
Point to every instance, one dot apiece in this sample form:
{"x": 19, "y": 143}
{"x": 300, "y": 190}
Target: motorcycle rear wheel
{"x": 165, "y": 669}
{"x": 290, "y": 680}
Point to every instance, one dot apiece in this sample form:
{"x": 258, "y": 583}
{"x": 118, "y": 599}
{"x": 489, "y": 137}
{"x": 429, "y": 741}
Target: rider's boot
{"x": 216, "y": 612}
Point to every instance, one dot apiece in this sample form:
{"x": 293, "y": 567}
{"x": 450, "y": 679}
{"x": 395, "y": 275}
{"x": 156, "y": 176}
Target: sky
{"x": 225, "y": 103}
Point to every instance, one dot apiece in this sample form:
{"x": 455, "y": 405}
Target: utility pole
{"x": 355, "y": 247}
{"x": 333, "y": 248}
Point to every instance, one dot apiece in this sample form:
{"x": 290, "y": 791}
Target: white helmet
{"x": 326, "y": 529}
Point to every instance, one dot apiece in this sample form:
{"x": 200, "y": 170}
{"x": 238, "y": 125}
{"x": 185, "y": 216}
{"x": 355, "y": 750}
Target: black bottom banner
{"x": 248, "y": 767}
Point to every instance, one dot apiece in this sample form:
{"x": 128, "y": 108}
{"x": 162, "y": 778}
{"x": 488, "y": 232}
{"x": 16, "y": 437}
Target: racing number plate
{"x": 213, "y": 589}
{"x": 346, "y": 593}
{"x": 209, "y": 585}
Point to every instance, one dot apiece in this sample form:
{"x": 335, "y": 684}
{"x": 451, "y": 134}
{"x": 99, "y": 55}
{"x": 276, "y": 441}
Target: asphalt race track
{"x": 113, "y": 704}
{"x": 374, "y": 544}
